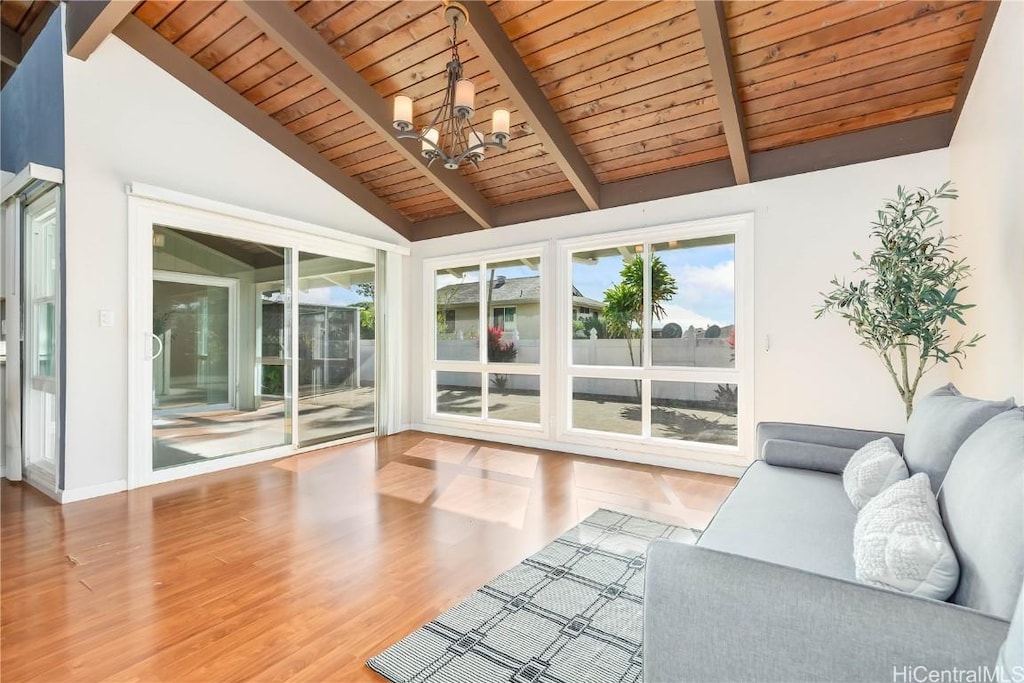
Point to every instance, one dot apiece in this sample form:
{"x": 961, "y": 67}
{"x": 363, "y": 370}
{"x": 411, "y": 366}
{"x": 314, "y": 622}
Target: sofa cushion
{"x": 875, "y": 466}
{"x": 800, "y": 518}
{"x": 899, "y": 542}
{"x": 939, "y": 424}
{"x": 982, "y": 505}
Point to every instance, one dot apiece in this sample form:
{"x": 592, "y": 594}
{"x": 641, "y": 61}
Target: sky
{"x": 705, "y": 283}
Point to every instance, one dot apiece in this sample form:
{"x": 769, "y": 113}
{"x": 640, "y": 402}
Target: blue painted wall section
{"x": 32, "y": 104}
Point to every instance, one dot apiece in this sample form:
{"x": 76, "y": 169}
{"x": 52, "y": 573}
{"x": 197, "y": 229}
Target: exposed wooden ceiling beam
{"x": 14, "y": 46}
{"x": 10, "y": 46}
{"x": 871, "y": 144}
{"x": 499, "y": 55}
{"x": 38, "y": 24}
{"x": 907, "y": 137}
{"x": 988, "y": 18}
{"x": 172, "y": 60}
{"x": 713, "y": 29}
{"x": 90, "y": 21}
{"x": 283, "y": 26}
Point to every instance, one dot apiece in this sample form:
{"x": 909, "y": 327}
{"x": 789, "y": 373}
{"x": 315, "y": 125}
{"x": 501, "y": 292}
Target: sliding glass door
{"x": 227, "y": 314}
{"x": 336, "y": 348}
{"x": 221, "y": 335}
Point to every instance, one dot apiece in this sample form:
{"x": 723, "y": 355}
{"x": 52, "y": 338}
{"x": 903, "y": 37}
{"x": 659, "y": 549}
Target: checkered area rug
{"x": 572, "y": 613}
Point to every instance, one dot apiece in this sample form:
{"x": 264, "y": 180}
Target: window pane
{"x": 607, "y": 306}
{"x": 693, "y": 296}
{"x": 513, "y": 304}
{"x": 458, "y": 313}
{"x": 606, "y": 405}
{"x": 514, "y": 397}
{"x": 694, "y": 411}
{"x": 336, "y": 348}
{"x": 458, "y": 393}
{"x": 222, "y": 378}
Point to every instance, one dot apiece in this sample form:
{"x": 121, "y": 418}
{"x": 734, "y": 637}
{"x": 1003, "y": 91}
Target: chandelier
{"x": 451, "y": 136}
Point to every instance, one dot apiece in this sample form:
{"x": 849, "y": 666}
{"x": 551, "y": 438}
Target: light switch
{"x": 106, "y": 318}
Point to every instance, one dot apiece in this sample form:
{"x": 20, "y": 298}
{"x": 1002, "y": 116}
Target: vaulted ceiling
{"x": 611, "y": 102}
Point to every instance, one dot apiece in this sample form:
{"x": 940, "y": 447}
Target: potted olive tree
{"x": 906, "y": 297}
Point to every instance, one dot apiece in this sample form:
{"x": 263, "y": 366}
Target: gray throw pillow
{"x": 899, "y": 542}
{"x": 938, "y": 426}
{"x": 982, "y": 506}
{"x": 873, "y": 468}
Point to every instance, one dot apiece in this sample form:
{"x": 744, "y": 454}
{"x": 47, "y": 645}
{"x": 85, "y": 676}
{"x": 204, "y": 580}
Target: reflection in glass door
{"x": 336, "y": 348}
{"x": 191, "y": 321}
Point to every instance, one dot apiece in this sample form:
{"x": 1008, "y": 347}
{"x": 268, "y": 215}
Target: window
{"x": 504, "y": 318}
{"x": 653, "y": 346}
{"x": 487, "y": 337}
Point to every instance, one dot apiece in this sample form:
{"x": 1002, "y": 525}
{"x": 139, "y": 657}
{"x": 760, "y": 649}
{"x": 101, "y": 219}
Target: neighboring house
{"x": 514, "y": 306}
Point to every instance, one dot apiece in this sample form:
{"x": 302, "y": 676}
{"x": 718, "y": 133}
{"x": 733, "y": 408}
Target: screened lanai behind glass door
{"x": 336, "y": 352}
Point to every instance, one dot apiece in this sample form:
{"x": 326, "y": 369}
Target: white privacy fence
{"x": 678, "y": 352}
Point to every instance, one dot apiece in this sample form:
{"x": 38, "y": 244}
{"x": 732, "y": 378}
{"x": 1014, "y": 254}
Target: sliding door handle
{"x": 159, "y": 349}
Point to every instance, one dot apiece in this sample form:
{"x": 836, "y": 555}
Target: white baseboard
{"x": 677, "y": 463}
{"x": 95, "y": 491}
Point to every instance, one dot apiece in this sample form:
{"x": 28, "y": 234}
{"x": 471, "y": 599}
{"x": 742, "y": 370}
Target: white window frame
{"x": 481, "y": 365}
{"x": 742, "y": 374}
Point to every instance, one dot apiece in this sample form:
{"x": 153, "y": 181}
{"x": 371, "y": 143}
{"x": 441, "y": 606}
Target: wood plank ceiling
{"x": 630, "y": 82}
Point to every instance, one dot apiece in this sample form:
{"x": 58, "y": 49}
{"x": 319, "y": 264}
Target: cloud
{"x": 683, "y": 317}
{"x": 717, "y": 278}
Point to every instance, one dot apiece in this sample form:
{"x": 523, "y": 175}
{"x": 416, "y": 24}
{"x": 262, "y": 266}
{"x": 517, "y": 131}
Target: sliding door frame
{"x": 145, "y": 212}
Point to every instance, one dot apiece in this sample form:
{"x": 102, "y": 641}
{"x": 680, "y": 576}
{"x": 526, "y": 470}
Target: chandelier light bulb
{"x": 476, "y": 140}
{"x": 464, "y": 95}
{"x": 430, "y": 135}
{"x": 403, "y": 113}
{"x": 500, "y": 126}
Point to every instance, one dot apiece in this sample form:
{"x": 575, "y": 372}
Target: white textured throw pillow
{"x": 899, "y": 542}
{"x": 875, "y": 466}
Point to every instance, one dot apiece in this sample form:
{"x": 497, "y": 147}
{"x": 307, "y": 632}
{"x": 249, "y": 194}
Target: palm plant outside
{"x": 624, "y": 301}
{"x": 903, "y": 305}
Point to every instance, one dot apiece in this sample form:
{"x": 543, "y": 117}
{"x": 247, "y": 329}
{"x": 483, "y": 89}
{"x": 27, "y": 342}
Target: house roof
{"x": 506, "y": 290}
{"x": 611, "y": 103}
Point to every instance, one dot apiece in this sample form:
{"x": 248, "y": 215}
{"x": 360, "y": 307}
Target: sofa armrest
{"x": 712, "y": 616}
{"x": 806, "y": 456}
{"x": 837, "y": 437}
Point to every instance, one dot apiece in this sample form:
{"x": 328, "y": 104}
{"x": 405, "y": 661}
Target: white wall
{"x": 805, "y": 229}
{"x": 987, "y": 164}
{"x": 130, "y": 121}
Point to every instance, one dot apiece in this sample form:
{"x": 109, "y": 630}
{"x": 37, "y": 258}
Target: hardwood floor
{"x": 298, "y": 569}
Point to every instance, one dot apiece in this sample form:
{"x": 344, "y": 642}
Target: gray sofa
{"x": 769, "y": 592}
